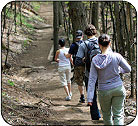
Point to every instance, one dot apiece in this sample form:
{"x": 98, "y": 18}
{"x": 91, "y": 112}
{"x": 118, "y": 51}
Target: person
{"x": 106, "y": 67}
{"x": 64, "y": 68}
{"x": 81, "y": 57}
{"x": 78, "y": 70}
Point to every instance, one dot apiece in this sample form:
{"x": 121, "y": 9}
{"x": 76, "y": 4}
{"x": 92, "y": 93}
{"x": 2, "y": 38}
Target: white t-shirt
{"x": 63, "y": 61}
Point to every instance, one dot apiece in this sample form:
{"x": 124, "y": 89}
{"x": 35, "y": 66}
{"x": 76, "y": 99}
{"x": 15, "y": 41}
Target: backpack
{"x": 77, "y": 44}
{"x": 92, "y": 50}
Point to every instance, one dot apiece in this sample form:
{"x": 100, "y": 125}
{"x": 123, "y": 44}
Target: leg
{"x": 118, "y": 106}
{"x": 66, "y": 90}
{"x": 68, "y": 76}
{"x": 86, "y": 82}
{"x": 94, "y": 111}
{"x": 69, "y": 87}
{"x": 105, "y": 103}
{"x": 63, "y": 80}
{"x": 79, "y": 77}
{"x": 81, "y": 89}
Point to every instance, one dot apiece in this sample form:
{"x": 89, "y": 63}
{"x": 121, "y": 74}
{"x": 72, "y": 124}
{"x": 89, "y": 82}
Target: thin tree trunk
{"x": 102, "y": 16}
{"x": 114, "y": 29}
{"x": 95, "y": 14}
{"x": 106, "y": 20}
{"x": 20, "y": 10}
{"x": 56, "y": 26}
{"x": 15, "y": 15}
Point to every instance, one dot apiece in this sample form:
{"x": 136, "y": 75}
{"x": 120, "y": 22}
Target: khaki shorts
{"x": 65, "y": 75}
{"x": 79, "y": 75}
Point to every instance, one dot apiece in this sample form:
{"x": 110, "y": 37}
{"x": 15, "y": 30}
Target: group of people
{"x": 99, "y": 67}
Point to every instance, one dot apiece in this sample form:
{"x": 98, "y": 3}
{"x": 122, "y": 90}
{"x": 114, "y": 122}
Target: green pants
{"x": 112, "y": 104}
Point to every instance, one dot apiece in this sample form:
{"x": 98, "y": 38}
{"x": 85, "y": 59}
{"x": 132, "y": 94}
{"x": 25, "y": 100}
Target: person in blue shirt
{"x": 81, "y": 57}
{"x": 78, "y": 70}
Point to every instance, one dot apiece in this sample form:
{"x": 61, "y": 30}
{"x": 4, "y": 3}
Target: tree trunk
{"x": 118, "y": 28}
{"x": 102, "y": 16}
{"x": 15, "y": 15}
{"x": 95, "y": 14}
{"x": 77, "y": 13}
{"x": 132, "y": 58}
{"x": 56, "y": 26}
{"x": 114, "y": 29}
{"x": 60, "y": 14}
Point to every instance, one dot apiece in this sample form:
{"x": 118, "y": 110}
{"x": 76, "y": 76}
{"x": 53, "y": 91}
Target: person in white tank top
{"x": 64, "y": 68}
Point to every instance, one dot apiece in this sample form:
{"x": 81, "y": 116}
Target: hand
{"x": 89, "y": 103}
{"x": 83, "y": 60}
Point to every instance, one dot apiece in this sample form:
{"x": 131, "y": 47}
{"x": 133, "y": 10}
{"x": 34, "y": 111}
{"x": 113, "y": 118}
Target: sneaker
{"x": 68, "y": 98}
{"x": 82, "y": 99}
{"x": 70, "y": 94}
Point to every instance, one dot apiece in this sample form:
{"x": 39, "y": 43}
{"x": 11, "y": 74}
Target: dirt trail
{"x": 42, "y": 79}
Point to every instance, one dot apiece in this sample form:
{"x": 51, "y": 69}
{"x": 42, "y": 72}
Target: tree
{"x": 56, "y": 26}
{"x": 95, "y": 14}
{"x": 77, "y": 13}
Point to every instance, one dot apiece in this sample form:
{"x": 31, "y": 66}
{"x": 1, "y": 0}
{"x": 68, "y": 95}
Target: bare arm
{"x": 56, "y": 56}
{"x": 71, "y": 60}
{"x": 68, "y": 55}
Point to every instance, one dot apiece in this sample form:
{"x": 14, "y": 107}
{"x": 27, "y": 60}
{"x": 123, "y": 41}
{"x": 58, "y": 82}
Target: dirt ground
{"x": 44, "y": 81}
{"x": 43, "y": 99}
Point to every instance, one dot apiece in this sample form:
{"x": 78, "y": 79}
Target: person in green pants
{"x": 106, "y": 67}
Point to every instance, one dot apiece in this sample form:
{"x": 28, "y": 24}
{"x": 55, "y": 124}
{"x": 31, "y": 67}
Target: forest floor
{"x": 36, "y": 97}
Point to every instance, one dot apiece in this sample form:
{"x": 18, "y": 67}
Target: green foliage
{"x": 25, "y": 43}
{"x": 3, "y": 93}
{"x": 9, "y": 13}
{"x": 66, "y": 2}
{"x": 36, "y": 5}
{"x": 10, "y": 82}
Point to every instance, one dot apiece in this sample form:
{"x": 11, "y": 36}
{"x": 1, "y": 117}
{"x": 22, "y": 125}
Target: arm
{"x": 124, "y": 66}
{"x": 67, "y": 55}
{"x": 91, "y": 84}
{"x": 71, "y": 60}
{"x": 56, "y": 56}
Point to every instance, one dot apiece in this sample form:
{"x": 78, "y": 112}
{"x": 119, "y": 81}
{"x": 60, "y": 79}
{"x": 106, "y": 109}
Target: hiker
{"x": 64, "y": 68}
{"x": 111, "y": 92}
{"x": 86, "y": 51}
{"x": 78, "y": 70}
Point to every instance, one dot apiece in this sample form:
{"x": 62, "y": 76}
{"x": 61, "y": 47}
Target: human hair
{"x": 104, "y": 40}
{"x": 90, "y": 30}
{"x": 61, "y": 42}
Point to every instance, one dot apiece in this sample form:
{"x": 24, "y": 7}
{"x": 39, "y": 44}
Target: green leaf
{"x": 11, "y": 83}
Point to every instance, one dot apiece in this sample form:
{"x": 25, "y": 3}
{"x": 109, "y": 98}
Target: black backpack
{"x": 92, "y": 50}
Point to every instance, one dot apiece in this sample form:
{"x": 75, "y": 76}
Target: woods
{"x": 118, "y": 19}
{"x": 29, "y": 31}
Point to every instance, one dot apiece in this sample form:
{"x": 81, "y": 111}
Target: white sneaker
{"x": 68, "y": 98}
{"x": 70, "y": 94}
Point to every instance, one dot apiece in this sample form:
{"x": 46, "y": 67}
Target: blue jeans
{"x": 94, "y": 111}
{"x": 112, "y": 104}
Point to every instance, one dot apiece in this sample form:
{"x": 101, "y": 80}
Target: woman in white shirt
{"x": 64, "y": 68}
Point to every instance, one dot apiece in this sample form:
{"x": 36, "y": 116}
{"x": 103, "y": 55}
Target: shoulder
{"x": 117, "y": 56}
{"x": 67, "y": 49}
{"x": 73, "y": 45}
{"x": 58, "y": 51}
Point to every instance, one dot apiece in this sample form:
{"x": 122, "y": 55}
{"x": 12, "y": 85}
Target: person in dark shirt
{"x": 78, "y": 70}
